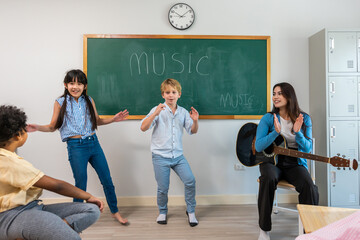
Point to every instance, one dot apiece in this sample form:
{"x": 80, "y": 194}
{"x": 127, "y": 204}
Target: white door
{"x": 344, "y": 183}
{"x": 343, "y": 94}
{"x": 342, "y": 51}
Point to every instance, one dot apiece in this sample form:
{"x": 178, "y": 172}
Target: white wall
{"x": 40, "y": 40}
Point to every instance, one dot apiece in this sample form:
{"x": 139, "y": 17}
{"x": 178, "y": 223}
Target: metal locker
{"x": 344, "y": 183}
{"x": 334, "y": 84}
{"x": 342, "y": 48}
{"x": 343, "y": 97}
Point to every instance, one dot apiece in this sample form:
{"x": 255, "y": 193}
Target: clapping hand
{"x": 277, "y": 124}
{"x": 298, "y": 123}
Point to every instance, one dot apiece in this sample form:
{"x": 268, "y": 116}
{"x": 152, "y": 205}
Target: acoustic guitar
{"x": 248, "y": 156}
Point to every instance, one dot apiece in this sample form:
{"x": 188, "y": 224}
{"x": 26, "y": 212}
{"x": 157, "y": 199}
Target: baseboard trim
{"x": 179, "y": 200}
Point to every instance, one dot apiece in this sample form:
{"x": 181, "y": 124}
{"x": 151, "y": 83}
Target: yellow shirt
{"x": 17, "y": 177}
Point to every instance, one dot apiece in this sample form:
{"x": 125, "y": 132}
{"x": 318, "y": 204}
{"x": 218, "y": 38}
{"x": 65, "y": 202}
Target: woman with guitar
{"x": 295, "y": 126}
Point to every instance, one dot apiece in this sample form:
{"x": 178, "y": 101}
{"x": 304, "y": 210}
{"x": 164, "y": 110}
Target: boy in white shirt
{"x": 169, "y": 120}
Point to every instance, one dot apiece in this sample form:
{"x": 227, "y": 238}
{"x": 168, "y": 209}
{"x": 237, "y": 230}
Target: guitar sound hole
{"x": 269, "y": 152}
{"x": 268, "y": 155}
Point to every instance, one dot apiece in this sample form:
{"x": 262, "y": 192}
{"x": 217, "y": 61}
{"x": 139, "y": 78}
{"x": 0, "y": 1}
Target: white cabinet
{"x": 343, "y": 100}
{"x": 334, "y": 81}
{"x": 342, "y": 51}
{"x": 344, "y": 184}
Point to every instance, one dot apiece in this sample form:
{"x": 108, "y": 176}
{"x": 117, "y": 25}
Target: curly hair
{"x": 12, "y": 122}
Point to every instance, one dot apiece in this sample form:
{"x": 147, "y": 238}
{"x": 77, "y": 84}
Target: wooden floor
{"x": 215, "y": 222}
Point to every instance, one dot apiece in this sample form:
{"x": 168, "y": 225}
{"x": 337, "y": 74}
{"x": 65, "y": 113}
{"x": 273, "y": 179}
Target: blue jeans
{"x": 44, "y": 222}
{"x": 88, "y": 150}
{"x": 182, "y": 168}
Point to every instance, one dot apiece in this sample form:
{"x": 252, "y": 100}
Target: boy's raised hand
{"x": 194, "y": 114}
{"x": 159, "y": 108}
{"x": 147, "y": 122}
{"x": 120, "y": 116}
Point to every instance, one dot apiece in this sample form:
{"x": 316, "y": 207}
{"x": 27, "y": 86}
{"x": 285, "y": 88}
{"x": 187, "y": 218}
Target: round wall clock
{"x": 181, "y": 16}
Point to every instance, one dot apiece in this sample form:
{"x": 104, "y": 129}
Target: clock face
{"x": 181, "y": 16}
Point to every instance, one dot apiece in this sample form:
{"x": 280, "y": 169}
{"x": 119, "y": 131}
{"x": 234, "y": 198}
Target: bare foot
{"x": 122, "y": 221}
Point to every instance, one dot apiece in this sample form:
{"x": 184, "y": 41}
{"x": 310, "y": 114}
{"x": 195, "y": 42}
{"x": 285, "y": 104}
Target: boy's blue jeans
{"x": 182, "y": 168}
{"x": 88, "y": 150}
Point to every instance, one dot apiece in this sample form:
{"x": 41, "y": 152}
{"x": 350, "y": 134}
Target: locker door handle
{"x": 333, "y": 177}
{"x": 332, "y": 44}
{"x": 332, "y": 132}
{"x": 332, "y": 87}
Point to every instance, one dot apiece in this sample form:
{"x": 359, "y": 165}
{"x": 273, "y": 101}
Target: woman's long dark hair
{"x": 76, "y": 75}
{"x": 292, "y": 106}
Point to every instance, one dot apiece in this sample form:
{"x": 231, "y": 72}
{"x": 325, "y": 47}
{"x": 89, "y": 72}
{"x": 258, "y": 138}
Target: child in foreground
{"x": 169, "y": 120}
{"x": 22, "y": 214}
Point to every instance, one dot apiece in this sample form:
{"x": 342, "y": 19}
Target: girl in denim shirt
{"x": 76, "y": 118}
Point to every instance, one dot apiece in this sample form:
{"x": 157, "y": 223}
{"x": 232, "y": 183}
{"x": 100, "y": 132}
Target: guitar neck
{"x": 298, "y": 154}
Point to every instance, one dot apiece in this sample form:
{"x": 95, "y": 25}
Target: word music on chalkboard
{"x": 223, "y": 77}
{"x": 140, "y": 63}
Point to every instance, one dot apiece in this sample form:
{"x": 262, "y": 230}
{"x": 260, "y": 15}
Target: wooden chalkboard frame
{"x": 267, "y": 38}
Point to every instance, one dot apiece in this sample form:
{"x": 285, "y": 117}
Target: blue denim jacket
{"x": 266, "y": 134}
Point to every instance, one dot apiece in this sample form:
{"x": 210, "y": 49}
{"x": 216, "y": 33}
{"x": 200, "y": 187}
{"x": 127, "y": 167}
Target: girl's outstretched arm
{"x": 120, "y": 116}
{"x": 66, "y": 189}
{"x": 46, "y": 128}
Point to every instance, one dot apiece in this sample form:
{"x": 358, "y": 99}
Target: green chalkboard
{"x": 221, "y": 76}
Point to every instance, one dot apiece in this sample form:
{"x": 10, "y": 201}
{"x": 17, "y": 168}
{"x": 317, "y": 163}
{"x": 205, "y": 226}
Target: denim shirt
{"x": 266, "y": 134}
{"x": 166, "y": 139}
{"x": 77, "y": 118}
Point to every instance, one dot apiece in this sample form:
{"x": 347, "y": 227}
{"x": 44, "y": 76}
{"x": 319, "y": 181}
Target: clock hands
{"x": 181, "y": 16}
{"x": 177, "y": 14}
{"x": 185, "y": 13}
